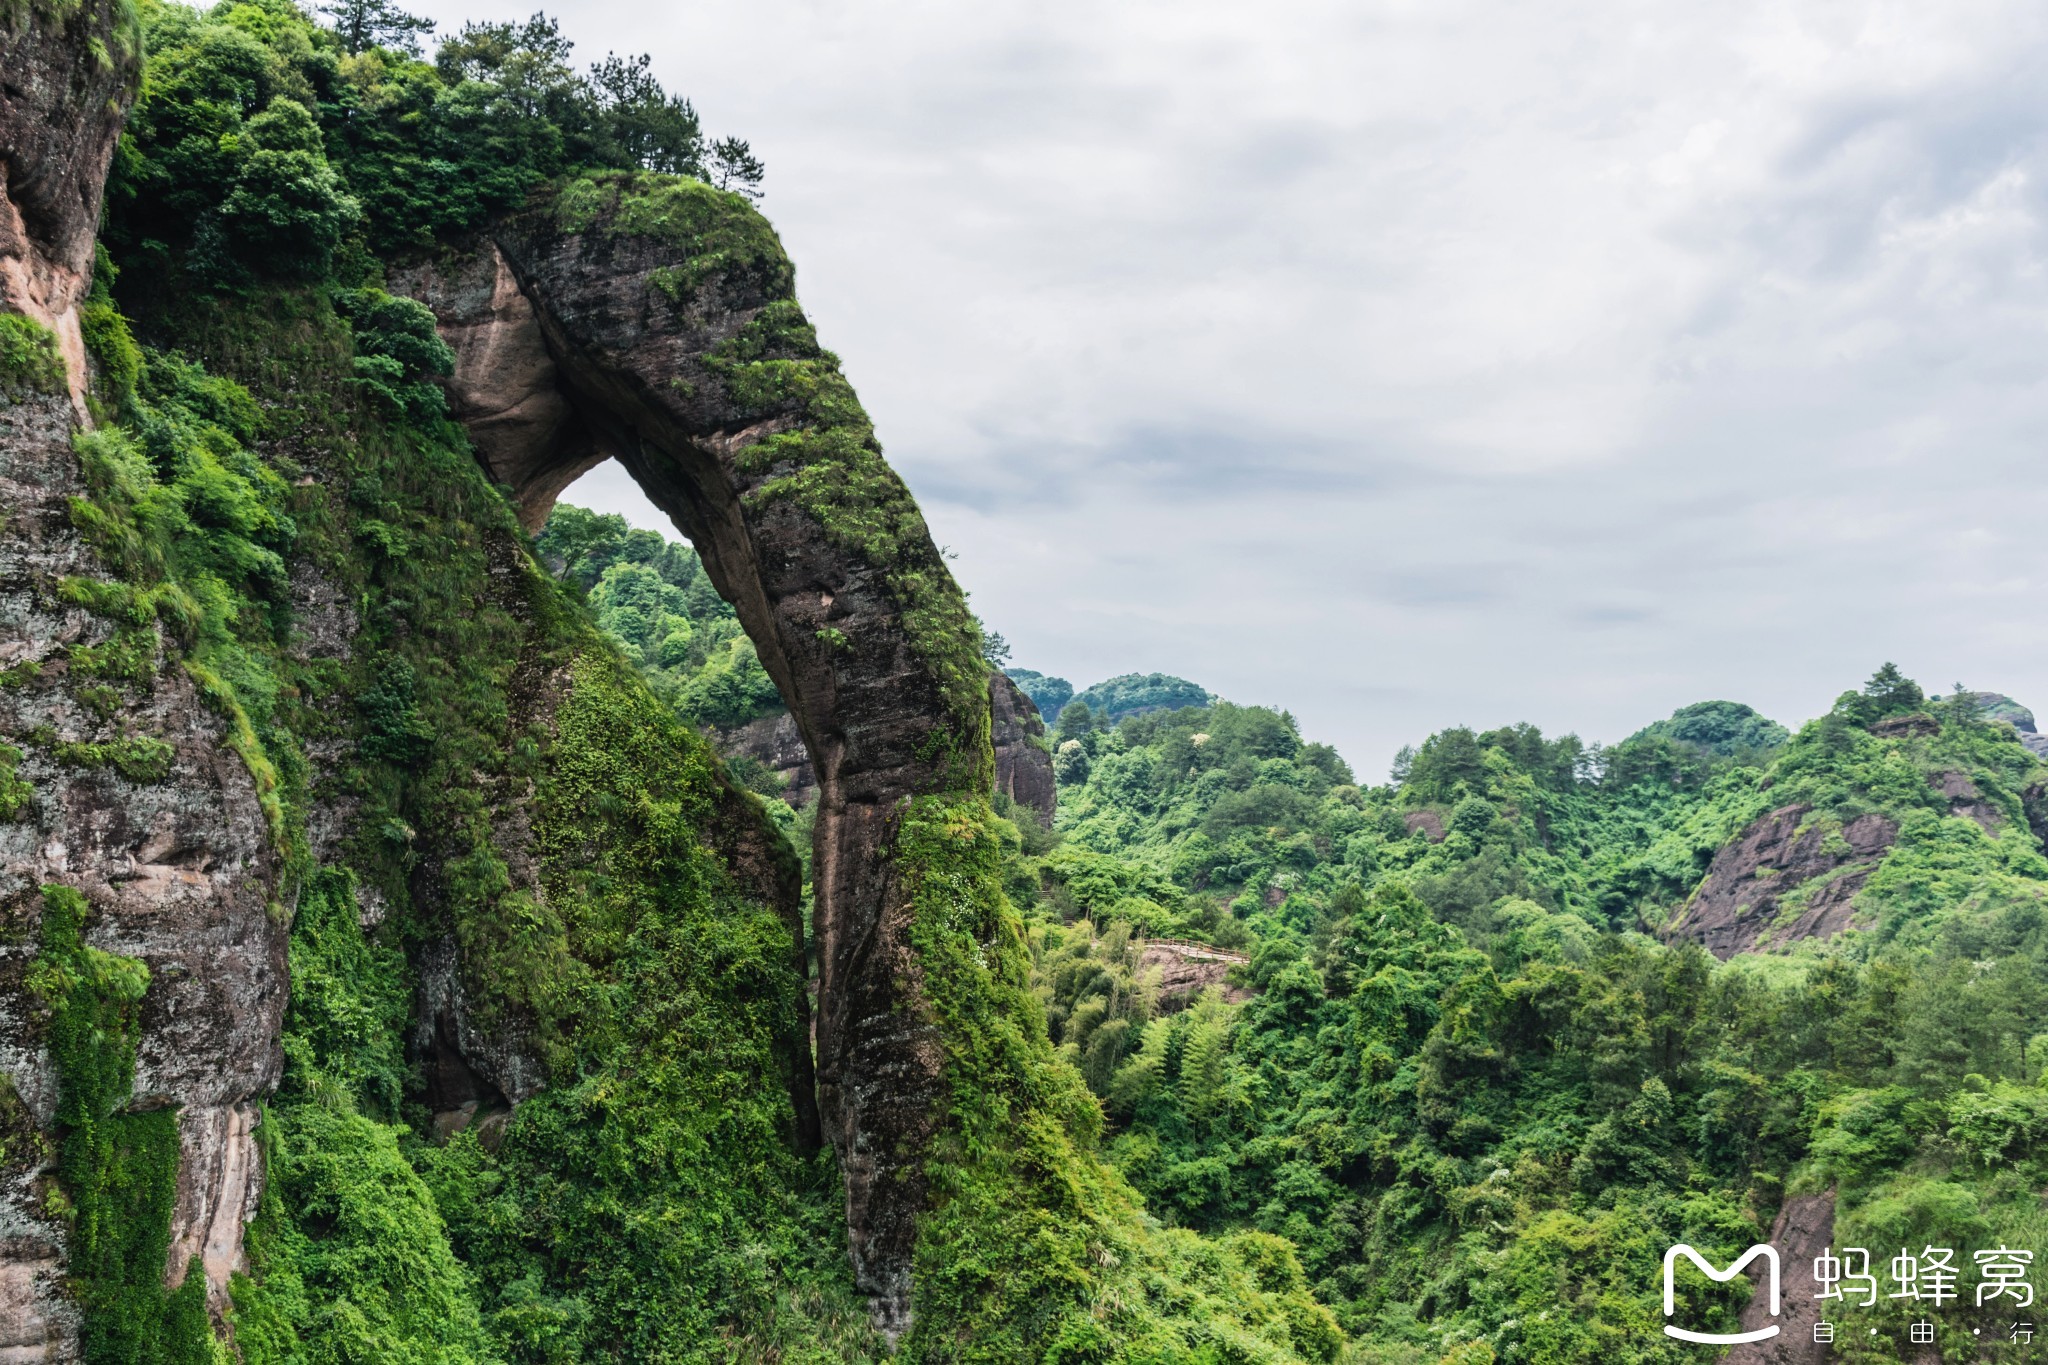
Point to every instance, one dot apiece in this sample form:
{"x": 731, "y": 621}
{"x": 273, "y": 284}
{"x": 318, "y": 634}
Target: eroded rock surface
{"x": 179, "y": 872}
{"x": 1965, "y": 800}
{"x": 1023, "y": 759}
{"x": 65, "y": 87}
{"x": 777, "y": 745}
{"x": 506, "y": 389}
{"x": 1740, "y": 905}
{"x": 1180, "y": 972}
{"x": 1804, "y": 1227}
{"x": 1023, "y": 762}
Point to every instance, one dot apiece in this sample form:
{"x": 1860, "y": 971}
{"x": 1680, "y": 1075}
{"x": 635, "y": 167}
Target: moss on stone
{"x": 117, "y": 1170}
{"x": 29, "y": 358}
{"x": 650, "y": 1200}
{"x": 138, "y": 758}
{"x": 17, "y": 796}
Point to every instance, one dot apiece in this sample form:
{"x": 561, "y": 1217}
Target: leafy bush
{"x": 398, "y": 351}
{"x": 29, "y": 358}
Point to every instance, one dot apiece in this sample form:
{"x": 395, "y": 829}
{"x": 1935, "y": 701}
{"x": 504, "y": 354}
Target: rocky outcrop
{"x": 669, "y": 334}
{"x": 1740, "y": 906}
{"x": 174, "y": 855}
{"x": 506, "y": 389}
{"x": 1179, "y": 971}
{"x": 177, "y": 862}
{"x": 1023, "y": 758}
{"x": 1996, "y": 706}
{"x": 1804, "y": 1227}
{"x": 65, "y": 87}
{"x": 776, "y": 744}
{"x": 1965, "y": 800}
{"x": 1430, "y": 822}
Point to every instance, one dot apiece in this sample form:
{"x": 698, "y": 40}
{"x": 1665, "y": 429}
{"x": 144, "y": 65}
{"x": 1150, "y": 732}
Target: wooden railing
{"x": 1208, "y": 952}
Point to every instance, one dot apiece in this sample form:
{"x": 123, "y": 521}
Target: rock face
{"x": 506, "y": 389}
{"x": 1017, "y": 734}
{"x": 1739, "y": 905}
{"x": 668, "y": 331}
{"x": 1430, "y": 822}
{"x": 1023, "y": 759}
{"x": 1804, "y": 1227}
{"x": 60, "y": 115}
{"x": 179, "y": 870}
{"x": 1965, "y": 800}
{"x": 776, "y": 744}
{"x": 1181, "y": 971}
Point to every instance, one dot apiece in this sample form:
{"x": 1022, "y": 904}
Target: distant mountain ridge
{"x": 1127, "y": 694}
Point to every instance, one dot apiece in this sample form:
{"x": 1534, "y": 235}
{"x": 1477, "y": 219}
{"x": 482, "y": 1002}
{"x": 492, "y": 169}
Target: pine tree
{"x": 364, "y": 24}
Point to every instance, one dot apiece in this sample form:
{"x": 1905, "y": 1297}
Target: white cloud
{"x": 1410, "y": 363}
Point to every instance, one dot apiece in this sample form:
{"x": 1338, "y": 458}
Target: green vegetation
{"x": 652, "y": 1198}
{"x": 349, "y": 1256}
{"x": 1472, "y": 1087}
{"x": 29, "y": 358}
{"x": 1133, "y": 693}
{"x": 1049, "y": 695}
{"x": 1014, "y": 1171}
{"x": 1456, "y": 1098}
{"x": 264, "y": 148}
{"x": 117, "y": 1170}
{"x": 139, "y": 760}
{"x": 17, "y": 797}
{"x": 1722, "y": 729}
{"x": 653, "y": 598}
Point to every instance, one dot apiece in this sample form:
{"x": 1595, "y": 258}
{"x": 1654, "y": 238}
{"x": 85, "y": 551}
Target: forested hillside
{"x": 1485, "y": 1073}
{"x": 390, "y": 970}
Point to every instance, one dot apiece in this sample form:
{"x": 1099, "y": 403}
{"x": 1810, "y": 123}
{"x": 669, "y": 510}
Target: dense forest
{"x": 1482, "y": 1077}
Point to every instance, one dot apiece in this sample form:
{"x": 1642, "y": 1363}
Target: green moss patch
{"x": 117, "y": 1170}
{"x": 30, "y": 361}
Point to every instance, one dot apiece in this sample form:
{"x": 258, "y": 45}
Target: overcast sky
{"x": 1416, "y": 364}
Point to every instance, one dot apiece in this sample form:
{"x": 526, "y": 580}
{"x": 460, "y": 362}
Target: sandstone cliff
{"x": 1784, "y": 878}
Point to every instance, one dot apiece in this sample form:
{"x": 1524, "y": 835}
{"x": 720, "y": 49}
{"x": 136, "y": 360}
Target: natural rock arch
{"x": 653, "y": 320}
